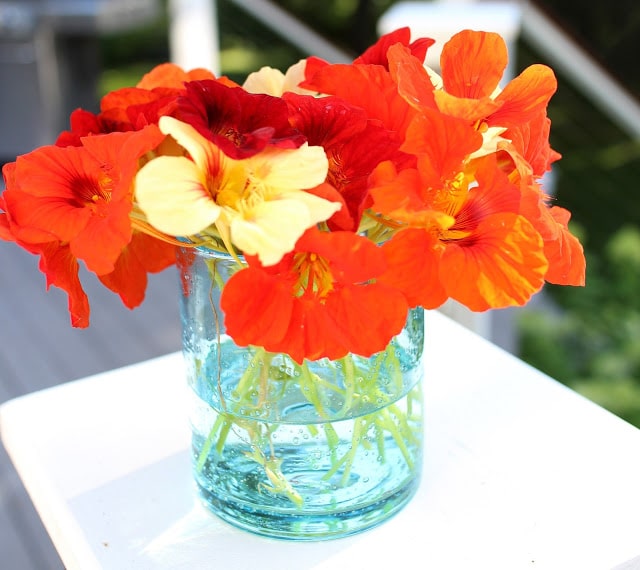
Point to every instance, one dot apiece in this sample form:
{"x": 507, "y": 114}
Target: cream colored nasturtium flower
{"x": 257, "y": 203}
{"x": 270, "y": 81}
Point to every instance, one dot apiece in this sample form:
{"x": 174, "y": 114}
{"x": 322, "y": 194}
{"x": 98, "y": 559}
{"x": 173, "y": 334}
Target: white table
{"x": 520, "y": 472}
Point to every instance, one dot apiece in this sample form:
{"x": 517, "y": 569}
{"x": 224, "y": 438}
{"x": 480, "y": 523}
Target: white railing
{"x": 536, "y": 28}
{"x": 579, "y": 67}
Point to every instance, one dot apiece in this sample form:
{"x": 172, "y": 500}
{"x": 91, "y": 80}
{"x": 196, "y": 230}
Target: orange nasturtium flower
{"x": 74, "y": 203}
{"x": 473, "y": 64}
{"x": 321, "y": 300}
{"x": 56, "y": 261}
{"x": 465, "y": 237}
{"x": 259, "y": 203}
{"x": 79, "y": 195}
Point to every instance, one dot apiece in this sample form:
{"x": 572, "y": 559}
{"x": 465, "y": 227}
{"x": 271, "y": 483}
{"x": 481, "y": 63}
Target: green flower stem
{"x": 359, "y": 430}
{"x": 223, "y": 424}
{"x": 385, "y": 422}
{"x": 349, "y": 383}
{"x": 359, "y": 388}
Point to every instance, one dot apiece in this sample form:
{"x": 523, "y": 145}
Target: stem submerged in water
{"x": 362, "y": 390}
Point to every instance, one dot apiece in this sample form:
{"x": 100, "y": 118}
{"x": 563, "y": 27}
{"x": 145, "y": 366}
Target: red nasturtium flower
{"x": 240, "y": 123}
{"x": 321, "y": 300}
{"x": 133, "y": 108}
{"x": 353, "y": 144}
{"x": 378, "y": 53}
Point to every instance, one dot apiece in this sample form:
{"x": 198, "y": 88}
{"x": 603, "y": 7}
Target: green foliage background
{"x": 590, "y": 339}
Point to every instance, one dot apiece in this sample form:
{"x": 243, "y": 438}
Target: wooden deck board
{"x": 39, "y": 349}
{"x": 24, "y": 543}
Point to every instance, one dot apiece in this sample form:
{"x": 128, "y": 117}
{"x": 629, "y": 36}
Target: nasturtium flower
{"x": 73, "y": 204}
{"x": 240, "y": 123}
{"x": 377, "y": 54}
{"x": 79, "y": 195}
{"x": 322, "y": 300}
{"x": 367, "y": 86}
{"x": 463, "y": 218}
{"x": 472, "y": 66}
{"x": 353, "y": 144}
{"x": 133, "y": 108}
{"x": 473, "y": 63}
{"x": 259, "y": 204}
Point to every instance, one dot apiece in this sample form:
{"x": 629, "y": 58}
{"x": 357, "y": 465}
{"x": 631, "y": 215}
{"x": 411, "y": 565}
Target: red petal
{"x": 377, "y": 53}
{"x": 257, "y": 307}
{"x": 61, "y": 269}
{"x": 366, "y": 317}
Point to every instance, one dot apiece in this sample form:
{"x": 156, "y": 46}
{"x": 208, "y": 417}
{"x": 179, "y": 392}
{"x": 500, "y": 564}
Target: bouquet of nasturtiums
{"x": 345, "y": 196}
{"x": 349, "y": 191}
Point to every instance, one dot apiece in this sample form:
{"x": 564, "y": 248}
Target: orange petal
{"x": 503, "y": 264}
{"x": 525, "y": 96}
{"x": 567, "y": 263}
{"x": 412, "y": 78}
{"x": 443, "y": 142}
{"x": 143, "y": 255}
{"x": 366, "y": 317}
{"x": 473, "y": 64}
{"x": 413, "y": 257}
{"x": 61, "y": 269}
{"x": 257, "y": 307}
{"x": 471, "y": 110}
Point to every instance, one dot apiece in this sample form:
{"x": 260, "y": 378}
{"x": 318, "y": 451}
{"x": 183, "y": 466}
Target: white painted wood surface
{"x": 519, "y": 473}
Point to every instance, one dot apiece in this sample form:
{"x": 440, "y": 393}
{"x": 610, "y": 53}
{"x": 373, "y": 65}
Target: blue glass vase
{"x": 315, "y": 451}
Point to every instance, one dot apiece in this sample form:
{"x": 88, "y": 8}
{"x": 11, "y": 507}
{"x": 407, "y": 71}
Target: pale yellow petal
{"x": 436, "y": 80}
{"x": 188, "y": 138}
{"x": 294, "y": 76}
{"x": 267, "y": 80}
{"x": 170, "y": 192}
{"x": 491, "y": 138}
{"x": 319, "y": 209}
{"x": 272, "y": 81}
{"x": 272, "y": 230}
{"x": 282, "y": 170}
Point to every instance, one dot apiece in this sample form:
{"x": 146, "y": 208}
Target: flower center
{"x": 314, "y": 276}
{"x": 89, "y": 191}
{"x": 240, "y": 192}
